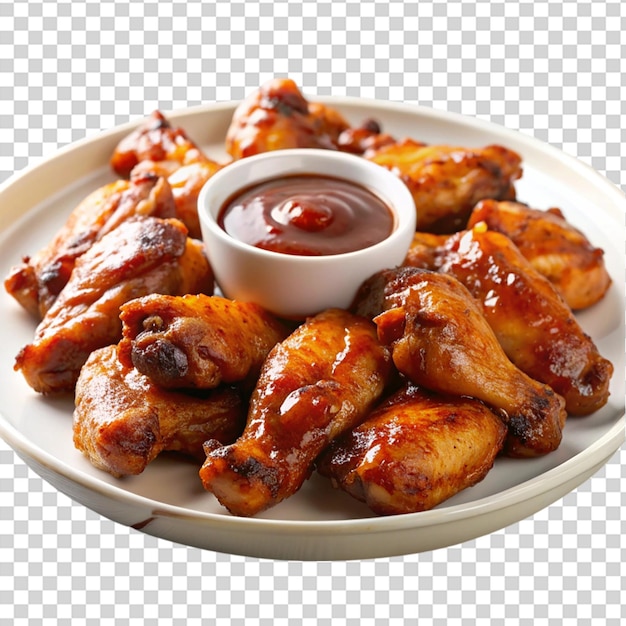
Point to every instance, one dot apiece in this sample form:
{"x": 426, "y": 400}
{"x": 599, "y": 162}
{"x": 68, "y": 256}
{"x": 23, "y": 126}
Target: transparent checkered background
{"x": 553, "y": 69}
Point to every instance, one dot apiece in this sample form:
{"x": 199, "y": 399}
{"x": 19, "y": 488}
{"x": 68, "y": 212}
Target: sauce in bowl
{"x": 308, "y": 215}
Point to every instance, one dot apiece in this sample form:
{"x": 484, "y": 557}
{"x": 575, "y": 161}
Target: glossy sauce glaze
{"x": 310, "y": 215}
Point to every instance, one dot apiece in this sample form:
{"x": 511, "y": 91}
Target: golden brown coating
{"x": 414, "y": 451}
{"x": 556, "y": 249}
{"x": 154, "y": 140}
{"x": 39, "y": 279}
{"x": 446, "y": 181}
{"x": 320, "y": 381}
{"x": 327, "y": 123}
{"x": 197, "y": 341}
{"x": 185, "y": 181}
{"x": 156, "y": 147}
{"x": 423, "y": 250}
{"x": 364, "y": 139}
{"x": 534, "y": 326}
{"x": 141, "y": 256}
{"x": 122, "y": 421}
{"x": 195, "y": 274}
{"x": 278, "y": 116}
{"x": 441, "y": 341}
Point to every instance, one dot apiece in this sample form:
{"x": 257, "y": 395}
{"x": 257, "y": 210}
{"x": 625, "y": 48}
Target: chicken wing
{"x": 155, "y": 140}
{"x": 39, "y": 279}
{"x": 553, "y": 246}
{"x": 364, "y": 139}
{"x": 320, "y": 381}
{"x": 414, "y": 451}
{"x": 278, "y": 116}
{"x": 156, "y": 147}
{"x": 441, "y": 341}
{"x": 424, "y": 250}
{"x": 446, "y": 182}
{"x": 185, "y": 181}
{"x": 534, "y": 326}
{"x": 122, "y": 421}
{"x": 195, "y": 274}
{"x": 197, "y": 341}
{"x": 139, "y": 257}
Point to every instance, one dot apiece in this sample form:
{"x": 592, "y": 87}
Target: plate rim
{"x": 405, "y": 107}
{"x": 600, "y": 450}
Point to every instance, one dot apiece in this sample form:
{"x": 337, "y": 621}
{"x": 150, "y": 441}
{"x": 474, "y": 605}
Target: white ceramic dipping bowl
{"x": 297, "y": 286}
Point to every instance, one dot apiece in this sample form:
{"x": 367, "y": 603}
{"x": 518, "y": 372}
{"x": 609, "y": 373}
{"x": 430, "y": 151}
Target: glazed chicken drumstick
{"x": 320, "y": 381}
{"x": 197, "y": 341}
{"x": 122, "y": 421}
{"x": 414, "y": 451}
{"x": 440, "y": 340}
{"x": 534, "y": 326}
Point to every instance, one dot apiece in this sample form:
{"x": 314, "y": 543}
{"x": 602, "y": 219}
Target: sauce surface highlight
{"x": 308, "y": 214}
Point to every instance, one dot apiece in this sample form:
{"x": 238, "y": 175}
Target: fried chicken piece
{"x": 414, "y": 451}
{"x": 327, "y": 122}
{"x": 320, "y": 381}
{"x": 556, "y": 249}
{"x": 441, "y": 341}
{"x": 365, "y": 139}
{"x": 195, "y": 274}
{"x": 446, "y": 181}
{"x": 157, "y": 147}
{"x": 141, "y": 256}
{"x": 186, "y": 181}
{"x": 122, "y": 421}
{"x": 423, "y": 250}
{"x": 278, "y": 116}
{"x": 534, "y": 326}
{"x": 154, "y": 140}
{"x": 197, "y": 341}
{"x": 39, "y": 279}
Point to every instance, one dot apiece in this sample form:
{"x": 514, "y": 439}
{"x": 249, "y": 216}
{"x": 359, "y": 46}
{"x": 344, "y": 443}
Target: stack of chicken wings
{"x": 468, "y": 351}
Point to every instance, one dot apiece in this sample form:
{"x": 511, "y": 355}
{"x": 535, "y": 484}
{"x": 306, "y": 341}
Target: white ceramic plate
{"x": 318, "y": 523}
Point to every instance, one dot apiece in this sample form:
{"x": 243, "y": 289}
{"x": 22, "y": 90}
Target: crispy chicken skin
{"x": 197, "y": 341}
{"x": 534, "y": 326}
{"x": 156, "y": 147}
{"x": 123, "y": 421}
{"x": 441, "y": 341}
{"x": 446, "y": 181}
{"x": 414, "y": 451}
{"x": 185, "y": 181}
{"x": 154, "y": 140}
{"x": 278, "y": 116}
{"x": 141, "y": 256}
{"x": 320, "y": 381}
{"x": 556, "y": 249}
{"x": 364, "y": 139}
{"x": 424, "y": 250}
{"x": 195, "y": 274}
{"x": 39, "y": 279}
